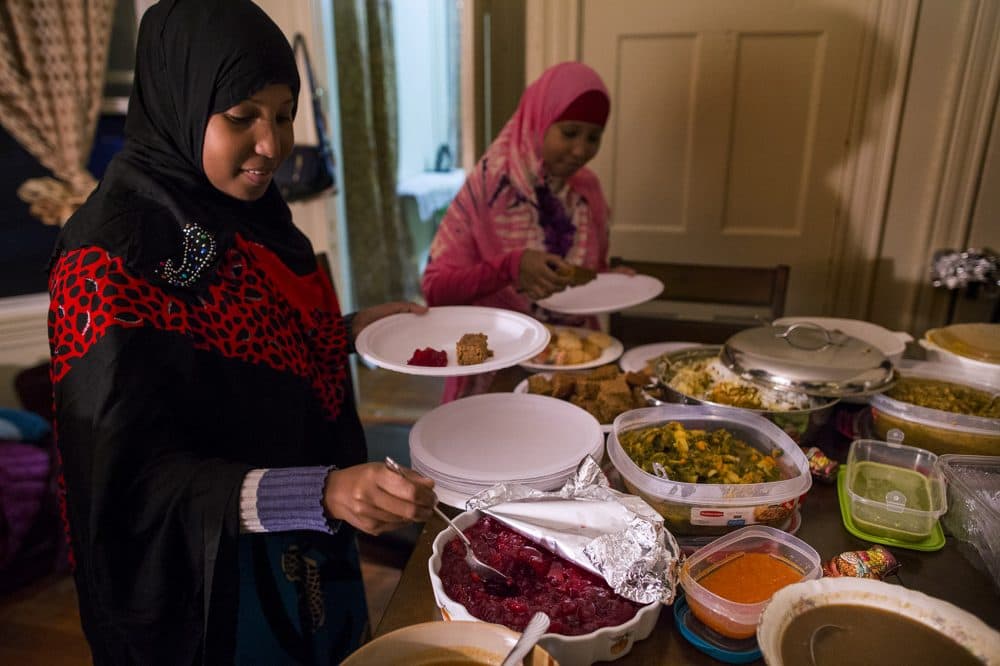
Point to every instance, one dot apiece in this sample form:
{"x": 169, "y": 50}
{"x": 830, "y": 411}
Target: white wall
{"x": 319, "y": 219}
{"x": 421, "y": 81}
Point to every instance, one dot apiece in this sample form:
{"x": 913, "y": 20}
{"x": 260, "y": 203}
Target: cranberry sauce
{"x": 577, "y": 601}
{"x": 429, "y": 357}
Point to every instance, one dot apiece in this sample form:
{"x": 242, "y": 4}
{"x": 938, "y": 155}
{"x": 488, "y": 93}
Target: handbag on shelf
{"x": 310, "y": 170}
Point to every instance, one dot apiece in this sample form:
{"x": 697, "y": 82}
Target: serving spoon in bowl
{"x": 537, "y": 625}
{"x": 494, "y": 581}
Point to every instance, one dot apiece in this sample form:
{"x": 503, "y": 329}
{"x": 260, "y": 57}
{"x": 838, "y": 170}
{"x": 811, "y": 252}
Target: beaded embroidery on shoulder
{"x": 199, "y": 254}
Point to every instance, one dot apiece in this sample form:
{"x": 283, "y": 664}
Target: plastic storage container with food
{"x": 938, "y": 430}
{"x": 714, "y": 508}
{"x": 974, "y": 505}
{"x": 762, "y": 560}
{"x": 894, "y": 491}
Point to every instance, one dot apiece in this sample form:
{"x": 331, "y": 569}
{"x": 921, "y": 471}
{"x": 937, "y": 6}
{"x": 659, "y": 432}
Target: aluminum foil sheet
{"x": 616, "y": 536}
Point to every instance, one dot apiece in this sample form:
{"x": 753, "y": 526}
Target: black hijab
{"x": 194, "y": 58}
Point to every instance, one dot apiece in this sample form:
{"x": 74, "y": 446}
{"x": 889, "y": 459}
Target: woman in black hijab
{"x": 211, "y": 449}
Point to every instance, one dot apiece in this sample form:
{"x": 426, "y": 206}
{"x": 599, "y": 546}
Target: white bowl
{"x": 890, "y": 343}
{"x": 978, "y": 370}
{"x": 791, "y": 601}
{"x": 605, "y": 644}
{"x": 432, "y": 643}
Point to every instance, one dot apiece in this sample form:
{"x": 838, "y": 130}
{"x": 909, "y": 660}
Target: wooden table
{"x": 946, "y": 574}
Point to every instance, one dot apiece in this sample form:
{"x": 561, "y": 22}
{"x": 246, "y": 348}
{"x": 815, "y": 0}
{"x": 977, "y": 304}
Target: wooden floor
{"x": 40, "y": 623}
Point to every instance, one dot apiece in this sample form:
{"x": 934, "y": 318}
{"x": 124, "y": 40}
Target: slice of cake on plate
{"x": 472, "y": 349}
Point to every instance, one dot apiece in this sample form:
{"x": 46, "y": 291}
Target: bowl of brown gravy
{"x": 454, "y": 643}
{"x": 857, "y": 621}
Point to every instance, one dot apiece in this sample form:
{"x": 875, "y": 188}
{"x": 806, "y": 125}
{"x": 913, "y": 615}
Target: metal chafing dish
{"x": 802, "y": 370}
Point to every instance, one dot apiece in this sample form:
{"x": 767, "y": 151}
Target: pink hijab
{"x": 488, "y": 219}
{"x": 518, "y": 149}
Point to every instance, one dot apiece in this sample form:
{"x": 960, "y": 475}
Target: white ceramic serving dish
{"x": 606, "y": 644}
{"x": 793, "y": 600}
{"x": 430, "y": 643}
{"x": 977, "y": 370}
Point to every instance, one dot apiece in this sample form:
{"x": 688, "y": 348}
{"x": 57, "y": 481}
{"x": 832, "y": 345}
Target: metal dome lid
{"x": 808, "y": 358}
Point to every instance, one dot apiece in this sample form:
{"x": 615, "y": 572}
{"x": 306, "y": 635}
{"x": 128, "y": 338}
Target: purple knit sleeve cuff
{"x": 284, "y": 499}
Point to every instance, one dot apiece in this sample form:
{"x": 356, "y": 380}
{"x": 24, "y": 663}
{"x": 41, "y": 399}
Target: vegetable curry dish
{"x": 699, "y": 456}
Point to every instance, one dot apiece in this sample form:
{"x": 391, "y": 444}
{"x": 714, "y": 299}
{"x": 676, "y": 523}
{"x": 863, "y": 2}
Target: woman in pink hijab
{"x": 528, "y": 209}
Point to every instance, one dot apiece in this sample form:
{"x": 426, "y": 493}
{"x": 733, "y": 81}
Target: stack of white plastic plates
{"x": 474, "y": 443}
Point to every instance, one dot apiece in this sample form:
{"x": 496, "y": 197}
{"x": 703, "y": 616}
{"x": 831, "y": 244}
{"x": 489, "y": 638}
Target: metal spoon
{"x": 812, "y": 640}
{"x": 537, "y": 626}
{"x": 493, "y": 580}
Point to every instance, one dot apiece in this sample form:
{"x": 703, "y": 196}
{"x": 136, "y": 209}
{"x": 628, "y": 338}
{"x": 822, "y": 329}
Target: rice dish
{"x": 709, "y": 380}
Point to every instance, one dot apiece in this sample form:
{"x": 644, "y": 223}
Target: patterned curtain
{"x": 53, "y": 55}
{"x": 380, "y": 247}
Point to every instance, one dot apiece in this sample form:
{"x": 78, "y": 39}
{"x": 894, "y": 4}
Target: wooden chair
{"x": 701, "y": 303}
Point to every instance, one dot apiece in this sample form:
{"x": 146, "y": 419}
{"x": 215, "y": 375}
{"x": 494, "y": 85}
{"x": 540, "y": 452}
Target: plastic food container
{"x": 605, "y": 644}
{"x": 934, "y": 429}
{"x": 974, "y": 505}
{"x": 894, "y": 491}
{"x": 730, "y": 618}
{"x": 710, "y": 508}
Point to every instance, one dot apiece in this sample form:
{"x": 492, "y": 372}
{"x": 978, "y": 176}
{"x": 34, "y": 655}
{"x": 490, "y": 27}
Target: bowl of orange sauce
{"x": 729, "y": 581}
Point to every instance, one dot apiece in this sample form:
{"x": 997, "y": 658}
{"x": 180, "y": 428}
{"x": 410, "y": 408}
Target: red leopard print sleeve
{"x": 256, "y": 310}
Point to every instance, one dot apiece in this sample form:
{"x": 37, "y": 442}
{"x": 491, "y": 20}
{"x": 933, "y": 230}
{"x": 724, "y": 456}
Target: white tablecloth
{"x": 432, "y": 190}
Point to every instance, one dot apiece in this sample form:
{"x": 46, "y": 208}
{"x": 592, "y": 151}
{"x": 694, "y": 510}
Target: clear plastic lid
{"x": 807, "y": 357}
{"x": 974, "y": 479}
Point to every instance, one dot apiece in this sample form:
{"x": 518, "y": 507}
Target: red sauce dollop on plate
{"x": 429, "y": 357}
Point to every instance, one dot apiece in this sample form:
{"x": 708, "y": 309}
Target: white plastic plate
{"x": 608, "y": 355}
{"x": 522, "y": 387}
{"x": 610, "y": 292}
{"x": 390, "y": 342}
{"x": 498, "y": 437}
{"x": 635, "y": 359}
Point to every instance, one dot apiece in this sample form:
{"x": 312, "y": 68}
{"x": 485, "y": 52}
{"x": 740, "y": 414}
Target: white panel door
{"x": 730, "y": 121}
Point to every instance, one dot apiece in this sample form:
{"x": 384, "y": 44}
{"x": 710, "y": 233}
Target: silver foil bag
{"x": 616, "y": 536}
